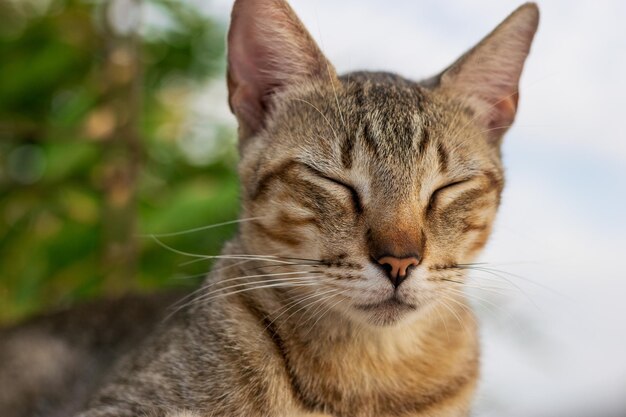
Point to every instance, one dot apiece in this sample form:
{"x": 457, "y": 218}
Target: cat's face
{"x": 380, "y": 187}
{"x": 383, "y": 168}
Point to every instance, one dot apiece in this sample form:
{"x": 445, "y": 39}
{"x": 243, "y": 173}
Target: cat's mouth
{"x": 390, "y": 304}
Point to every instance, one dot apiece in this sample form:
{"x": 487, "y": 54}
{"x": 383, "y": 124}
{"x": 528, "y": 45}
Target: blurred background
{"x": 114, "y": 124}
{"x": 108, "y": 129}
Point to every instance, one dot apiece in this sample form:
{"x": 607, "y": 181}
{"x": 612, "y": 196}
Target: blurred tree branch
{"x": 94, "y": 109}
{"x": 116, "y": 122}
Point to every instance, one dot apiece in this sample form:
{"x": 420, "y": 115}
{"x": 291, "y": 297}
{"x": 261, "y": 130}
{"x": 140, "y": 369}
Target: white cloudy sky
{"x": 554, "y": 346}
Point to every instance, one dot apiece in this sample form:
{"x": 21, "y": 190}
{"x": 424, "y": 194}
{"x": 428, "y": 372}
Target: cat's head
{"x": 381, "y": 185}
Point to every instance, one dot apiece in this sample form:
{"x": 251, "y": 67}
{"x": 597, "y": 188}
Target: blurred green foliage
{"x": 100, "y": 142}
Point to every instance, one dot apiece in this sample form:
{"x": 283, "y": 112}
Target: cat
{"x": 363, "y": 196}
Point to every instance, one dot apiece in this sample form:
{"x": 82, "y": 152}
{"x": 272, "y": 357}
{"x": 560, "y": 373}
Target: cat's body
{"x": 266, "y": 368}
{"x": 363, "y": 197}
{"x": 233, "y": 358}
{"x": 51, "y": 365}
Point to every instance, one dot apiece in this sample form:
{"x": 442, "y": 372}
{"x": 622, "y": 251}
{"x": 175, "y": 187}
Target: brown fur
{"x": 299, "y": 318}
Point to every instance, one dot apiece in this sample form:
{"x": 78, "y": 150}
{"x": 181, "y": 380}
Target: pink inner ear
{"x": 244, "y": 104}
{"x": 503, "y": 112}
{"x": 248, "y": 57}
{"x": 254, "y": 74}
{"x": 488, "y": 75}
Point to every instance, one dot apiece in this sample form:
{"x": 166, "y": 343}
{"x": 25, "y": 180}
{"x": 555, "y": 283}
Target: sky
{"x": 554, "y": 331}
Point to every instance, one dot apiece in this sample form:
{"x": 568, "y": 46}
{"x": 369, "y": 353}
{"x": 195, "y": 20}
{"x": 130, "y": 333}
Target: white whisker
{"x": 330, "y": 307}
{"x": 295, "y": 279}
{"x": 315, "y": 295}
{"x": 452, "y": 311}
{"x": 259, "y": 287}
{"x": 196, "y": 255}
{"x": 323, "y": 115}
{"x": 199, "y": 229}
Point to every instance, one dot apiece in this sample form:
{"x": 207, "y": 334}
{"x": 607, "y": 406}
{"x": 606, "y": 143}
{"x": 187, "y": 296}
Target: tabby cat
{"x": 363, "y": 196}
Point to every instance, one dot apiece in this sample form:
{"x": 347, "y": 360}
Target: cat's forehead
{"x": 379, "y": 126}
{"x": 387, "y": 122}
{"x": 393, "y": 116}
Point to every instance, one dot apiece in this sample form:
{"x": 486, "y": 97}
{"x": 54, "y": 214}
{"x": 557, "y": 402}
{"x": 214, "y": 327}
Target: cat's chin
{"x": 386, "y": 313}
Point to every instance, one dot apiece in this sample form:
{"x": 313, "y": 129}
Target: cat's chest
{"x": 357, "y": 381}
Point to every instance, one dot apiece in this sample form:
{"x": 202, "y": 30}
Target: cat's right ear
{"x": 269, "y": 49}
{"x": 487, "y": 76}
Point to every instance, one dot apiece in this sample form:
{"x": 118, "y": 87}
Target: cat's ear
{"x": 487, "y": 76}
{"x": 269, "y": 49}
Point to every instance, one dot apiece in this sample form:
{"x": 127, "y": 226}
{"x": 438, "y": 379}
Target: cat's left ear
{"x": 487, "y": 76}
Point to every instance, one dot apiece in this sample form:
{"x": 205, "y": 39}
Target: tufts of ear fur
{"x": 269, "y": 49}
{"x": 487, "y": 76}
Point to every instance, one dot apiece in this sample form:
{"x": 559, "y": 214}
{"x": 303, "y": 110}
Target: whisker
{"x": 204, "y": 298}
{"x": 287, "y": 281}
{"x": 259, "y": 287}
{"x": 243, "y": 284}
{"x": 196, "y": 255}
{"x": 184, "y": 301}
{"x": 486, "y": 110}
{"x": 322, "y": 114}
{"x": 199, "y": 229}
{"x": 292, "y": 258}
{"x": 297, "y": 300}
{"x": 504, "y": 279}
{"x": 337, "y": 101}
{"x": 443, "y": 321}
{"x": 194, "y": 261}
{"x": 288, "y": 265}
{"x": 477, "y": 298}
{"x": 317, "y": 309}
{"x": 449, "y": 128}
{"x": 330, "y": 307}
{"x": 491, "y": 289}
{"x": 495, "y": 271}
{"x": 528, "y": 262}
{"x": 331, "y": 291}
{"x": 231, "y": 266}
{"x": 311, "y": 264}
{"x": 499, "y": 128}
{"x": 332, "y": 80}
{"x": 454, "y": 313}
{"x": 280, "y": 274}
{"x": 498, "y": 310}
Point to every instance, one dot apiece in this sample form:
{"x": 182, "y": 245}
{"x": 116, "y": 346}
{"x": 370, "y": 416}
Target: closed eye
{"x": 441, "y": 190}
{"x": 354, "y": 194}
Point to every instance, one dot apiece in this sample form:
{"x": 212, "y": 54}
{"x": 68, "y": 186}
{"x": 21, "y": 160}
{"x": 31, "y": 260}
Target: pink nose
{"x": 397, "y": 268}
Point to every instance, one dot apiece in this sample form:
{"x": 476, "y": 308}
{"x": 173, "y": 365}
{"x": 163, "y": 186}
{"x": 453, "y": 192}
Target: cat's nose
{"x": 397, "y": 269}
